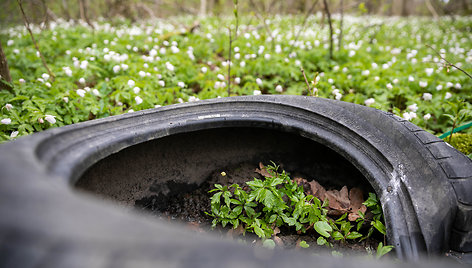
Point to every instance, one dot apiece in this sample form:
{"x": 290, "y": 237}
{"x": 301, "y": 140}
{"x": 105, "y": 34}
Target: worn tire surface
{"x": 424, "y": 184}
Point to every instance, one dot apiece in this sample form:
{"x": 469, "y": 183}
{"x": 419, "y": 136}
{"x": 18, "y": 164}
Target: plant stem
{"x": 330, "y": 29}
{"x": 452, "y": 130}
{"x": 449, "y": 63}
{"x": 306, "y": 80}
{"x": 229, "y": 61}
{"x": 34, "y": 41}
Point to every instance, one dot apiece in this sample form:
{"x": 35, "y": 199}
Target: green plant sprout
{"x": 277, "y": 201}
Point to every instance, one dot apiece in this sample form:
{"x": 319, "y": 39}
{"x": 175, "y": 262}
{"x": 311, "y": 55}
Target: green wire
{"x": 457, "y": 129}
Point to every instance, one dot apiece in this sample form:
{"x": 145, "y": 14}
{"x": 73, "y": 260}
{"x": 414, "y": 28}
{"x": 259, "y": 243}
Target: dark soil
{"x": 190, "y": 202}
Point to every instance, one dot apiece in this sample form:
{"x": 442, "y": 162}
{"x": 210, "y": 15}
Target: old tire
{"x": 424, "y": 184}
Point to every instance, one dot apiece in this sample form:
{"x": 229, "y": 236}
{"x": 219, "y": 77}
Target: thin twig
{"x": 330, "y": 29}
{"x": 264, "y": 23}
{"x": 341, "y": 26}
{"x": 229, "y": 61}
{"x": 34, "y": 41}
{"x": 303, "y": 23}
{"x": 306, "y": 80}
{"x": 449, "y": 63}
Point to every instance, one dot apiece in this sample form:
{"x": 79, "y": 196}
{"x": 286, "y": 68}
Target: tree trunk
{"x": 4, "y": 71}
{"x": 404, "y": 11}
{"x": 203, "y": 8}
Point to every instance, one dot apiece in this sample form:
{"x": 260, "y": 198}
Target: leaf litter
{"x": 189, "y": 207}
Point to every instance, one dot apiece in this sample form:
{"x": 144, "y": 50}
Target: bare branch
{"x": 27, "y": 24}
{"x": 330, "y": 29}
{"x": 448, "y": 63}
{"x": 4, "y": 71}
{"x": 303, "y": 23}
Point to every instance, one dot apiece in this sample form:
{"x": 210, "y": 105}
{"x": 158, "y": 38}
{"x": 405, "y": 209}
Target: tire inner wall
{"x": 190, "y": 158}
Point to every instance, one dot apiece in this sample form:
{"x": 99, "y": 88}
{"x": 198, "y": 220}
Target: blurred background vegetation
{"x": 134, "y": 10}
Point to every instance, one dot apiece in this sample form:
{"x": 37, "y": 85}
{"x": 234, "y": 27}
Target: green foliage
{"x": 277, "y": 201}
{"x": 463, "y": 142}
{"x": 382, "y": 250}
{"x": 383, "y": 60}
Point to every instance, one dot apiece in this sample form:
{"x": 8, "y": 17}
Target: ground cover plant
{"x": 390, "y": 63}
{"x": 264, "y": 206}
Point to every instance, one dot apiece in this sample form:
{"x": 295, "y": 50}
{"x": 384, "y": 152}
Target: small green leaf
{"x": 269, "y": 243}
{"x": 382, "y": 250}
{"x": 337, "y": 235}
{"x": 353, "y": 235}
{"x": 379, "y": 226}
{"x": 304, "y": 244}
{"x": 323, "y": 228}
{"x": 321, "y": 241}
{"x": 259, "y": 232}
{"x": 215, "y": 199}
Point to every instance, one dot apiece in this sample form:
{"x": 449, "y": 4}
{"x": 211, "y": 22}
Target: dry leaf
{"x": 263, "y": 171}
{"x": 338, "y": 201}
{"x": 194, "y": 226}
{"x": 278, "y": 241}
{"x": 276, "y": 231}
{"x": 357, "y": 198}
{"x": 317, "y": 190}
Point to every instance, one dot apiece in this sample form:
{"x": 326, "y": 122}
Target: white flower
{"x": 48, "y": 84}
{"x": 449, "y": 85}
{"x": 45, "y": 76}
{"x": 256, "y": 92}
{"x": 429, "y": 71}
{"x": 330, "y": 80}
{"x": 130, "y": 111}
{"x": 365, "y": 72}
{"x": 448, "y": 95}
{"x": 439, "y": 87}
{"x": 221, "y": 77}
{"x": 157, "y": 106}
{"x": 338, "y": 96}
{"x": 395, "y": 81}
{"x": 6, "y": 121}
{"x": 298, "y": 63}
{"x": 427, "y": 116}
{"x": 8, "y": 106}
{"x": 193, "y": 98}
{"x": 80, "y": 92}
{"x": 427, "y": 96}
{"x": 351, "y": 52}
{"x": 242, "y": 64}
{"x": 136, "y": 90}
{"x": 409, "y": 115}
{"x": 83, "y": 64}
{"x": 423, "y": 84}
{"x": 259, "y": 81}
{"x": 385, "y": 66}
{"x": 237, "y": 56}
{"x": 181, "y": 84}
{"x": 236, "y": 49}
{"x": 10, "y": 42}
{"x": 131, "y": 83}
{"x": 138, "y": 100}
{"x": 68, "y": 71}
{"x": 40, "y": 120}
{"x": 170, "y": 67}
{"x": 161, "y": 83}
{"x": 458, "y": 86}
{"x": 279, "y": 88}
{"x": 96, "y": 92}
{"x": 116, "y": 68}
{"x": 204, "y": 69}
{"x": 50, "y": 118}
{"x": 374, "y": 65}
{"x": 267, "y": 56}
{"x": 237, "y": 80}
{"x": 389, "y": 86}
{"x": 14, "y": 134}
{"x": 21, "y": 80}
{"x": 376, "y": 78}
{"x": 142, "y": 73}
{"x": 65, "y": 99}
{"x": 82, "y": 80}
{"x": 174, "y": 49}
{"x": 413, "y": 107}
{"x": 278, "y": 49}
{"x": 369, "y": 101}
{"x": 411, "y": 78}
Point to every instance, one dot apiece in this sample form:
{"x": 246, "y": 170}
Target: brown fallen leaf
{"x": 278, "y": 241}
{"x": 276, "y": 231}
{"x": 317, "y": 190}
{"x": 263, "y": 171}
{"x": 338, "y": 201}
{"x": 235, "y": 232}
{"x": 194, "y": 226}
{"x": 357, "y": 198}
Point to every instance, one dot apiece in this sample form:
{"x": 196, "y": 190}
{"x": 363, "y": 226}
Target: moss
{"x": 462, "y": 142}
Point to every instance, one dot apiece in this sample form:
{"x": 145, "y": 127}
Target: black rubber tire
{"x": 424, "y": 184}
